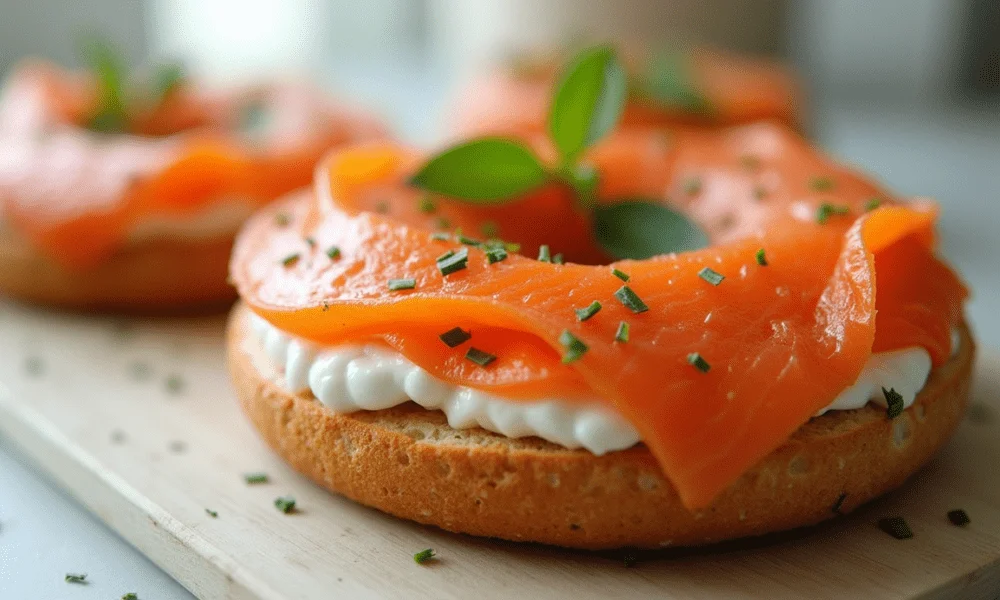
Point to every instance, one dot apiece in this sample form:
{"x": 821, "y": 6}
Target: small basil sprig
{"x": 587, "y": 104}
{"x": 107, "y": 63}
{"x": 668, "y": 80}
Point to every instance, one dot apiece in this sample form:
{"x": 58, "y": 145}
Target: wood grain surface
{"x": 135, "y": 418}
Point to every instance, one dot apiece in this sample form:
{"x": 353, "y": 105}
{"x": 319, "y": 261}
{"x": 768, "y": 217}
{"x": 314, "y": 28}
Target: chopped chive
{"x": 479, "y": 357}
{"x": 282, "y": 219}
{"x": 620, "y": 274}
{"x": 426, "y": 204}
{"x": 496, "y": 254}
{"x": 821, "y": 184}
{"x": 558, "y": 259}
{"x": 444, "y": 256}
{"x": 440, "y": 236}
{"x": 750, "y": 161}
{"x": 211, "y": 513}
{"x": 761, "y": 257}
{"x": 896, "y": 527}
{"x": 382, "y": 207}
{"x": 333, "y": 252}
{"x": 456, "y": 261}
{"x": 130, "y": 596}
{"x": 575, "y": 349}
{"x": 759, "y": 192}
{"x": 872, "y": 203}
{"x": 958, "y": 517}
{"x": 692, "y": 186}
{"x": 455, "y": 337}
{"x": 582, "y": 314}
{"x": 631, "y": 300}
{"x": 254, "y": 478}
{"x": 423, "y": 556}
{"x": 512, "y": 247}
{"x": 894, "y": 401}
{"x": 443, "y": 223}
{"x": 396, "y": 285}
{"x": 310, "y": 242}
{"x": 622, "y": 334}
{"x": 285, "y": 504}
{"x": 290, "y": 260}
{"x": 826, "y": 209}
{"x": 695, "y": 360}
{"x": 76, "y": 578}
{"x": 462, "y": 239}
{"x": 711, "y": 276}
{"x": 490, "y": 229}
{"x": 838, "y": 503}
{"x": 543, "y": 253}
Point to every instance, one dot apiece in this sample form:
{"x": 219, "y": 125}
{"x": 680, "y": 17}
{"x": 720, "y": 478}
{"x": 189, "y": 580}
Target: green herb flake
{"x": 896, "y": 527}
{"x": 76, "y": 578}
{"x": 255, "y": 478}
{"x": 575, "y": 348}
{"x": 622, "y": 334}
{"x": 761, "y": 257}
{"x": 285, "y": 504}
{"x": 558, "y": 259}
{"x": 130, "y": 596}
{"x": 333, "y": 252}
{"x": 838, "y": 503}
{"x": 455, "y": 337}
{"x": 489, "y": 229}
{"x": 543, "y": 253}
{"x": 582, "y": 314}
{"x": 426, "y": 204}
{"x": 479, "y": 357}
{"x": 826, "y": 210}
{"x": 440, "y": 236}
{"x": 711, "y": 276}
{"x": 495, "y": 255}
{"x": 631, "y": 300}
{"x": 396, "y": 285}
{"x": 695, "y": 360}
{"x": 692, "y": 186}
{"x": 958, "y": 517}
{"x": 211, "y": 513}
{"x": 453, "y": 262}
{"x": 282, "y": 219}
{"x": 424, "y": 556}
{"x": 620, "y": 274}
{"x": 821, "y": 184}
{"x": 872, "y": 203}
{"x": 174, "y": 384}
{"x": 291, "y": 260}
{"x": 894, "y": 402}
{"x": 443, "y": 223}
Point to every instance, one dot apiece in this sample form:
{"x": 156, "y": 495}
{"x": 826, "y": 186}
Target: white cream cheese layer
{"x": 220, "y": 218}
{"x": 350, "y": 378}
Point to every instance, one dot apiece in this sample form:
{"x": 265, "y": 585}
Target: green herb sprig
{"x": 586, "y": 105}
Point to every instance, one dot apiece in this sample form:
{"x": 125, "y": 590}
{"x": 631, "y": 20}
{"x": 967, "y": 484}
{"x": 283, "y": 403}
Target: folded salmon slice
{"x": 782, "y": 340}
{"x": 76, "y": 194}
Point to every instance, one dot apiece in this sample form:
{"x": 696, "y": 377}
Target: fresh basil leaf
{"x": 166, "y": 78}
{"x": 639, "y": 229}
{"x": 108, "y": 66}
{"x": 483, "y": 171}
{"x": 588, "y": 101}
{"x": 668, "y": 81}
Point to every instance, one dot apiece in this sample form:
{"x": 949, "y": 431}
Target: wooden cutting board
{"x": 135, "y": 418}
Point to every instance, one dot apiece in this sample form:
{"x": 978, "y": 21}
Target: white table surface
{"x": 952, "y": 157}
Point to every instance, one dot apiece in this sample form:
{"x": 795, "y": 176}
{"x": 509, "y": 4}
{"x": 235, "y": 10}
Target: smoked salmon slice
{"x": 76, "y": 194}
{"x": 705, "y": 87}
{"x": 714, "y": 374}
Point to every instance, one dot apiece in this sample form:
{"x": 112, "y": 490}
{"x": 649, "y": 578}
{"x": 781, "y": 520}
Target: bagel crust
{"x": 408, "y": 462}
{"x": 154, "y": 276}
